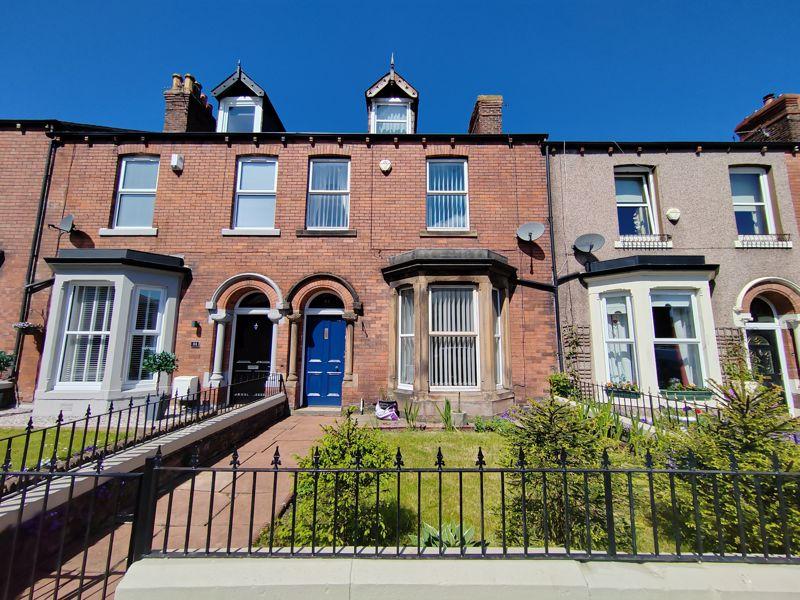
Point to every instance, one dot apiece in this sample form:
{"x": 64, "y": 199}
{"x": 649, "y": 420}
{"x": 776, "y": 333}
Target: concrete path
{"x": 294, "y": 435}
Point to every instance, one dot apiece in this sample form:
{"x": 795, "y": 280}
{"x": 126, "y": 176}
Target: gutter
{"x": 30, "y": 274}
{"x": 556, "y": 304}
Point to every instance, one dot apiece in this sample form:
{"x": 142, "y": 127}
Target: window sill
{"x": 318, "y": 233}
{"x": 450, "y": 233}
{"x": 774, "y": 241}
{"x": 129, "y": 232}
{"x": 252, "y": 232}
{"x": 643, "y": 242}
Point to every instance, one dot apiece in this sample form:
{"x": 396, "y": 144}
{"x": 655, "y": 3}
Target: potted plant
{"x": 686, "y": 392}
{"x": 459, "y": 417}
{"x": 6, "y": 385}
{"x": 26, "y": 327}
{"x": 622, "y": 389}
{"x": 158, "y": 363}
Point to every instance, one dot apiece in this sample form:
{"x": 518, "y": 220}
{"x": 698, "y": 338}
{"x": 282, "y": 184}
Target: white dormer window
{"x": 391, "y": 115}
{"x": 240, "y": 114}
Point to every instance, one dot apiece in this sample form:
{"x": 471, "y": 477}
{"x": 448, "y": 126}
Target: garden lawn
{"x": 41, "y": 442}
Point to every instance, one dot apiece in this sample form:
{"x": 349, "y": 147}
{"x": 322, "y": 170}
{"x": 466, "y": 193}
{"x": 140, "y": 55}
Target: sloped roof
{"x": 238, "y": 84}
{"x": 393, "y": 83}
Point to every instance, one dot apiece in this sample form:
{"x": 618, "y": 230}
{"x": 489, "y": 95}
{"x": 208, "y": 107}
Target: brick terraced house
{"x": 350, "y": 263}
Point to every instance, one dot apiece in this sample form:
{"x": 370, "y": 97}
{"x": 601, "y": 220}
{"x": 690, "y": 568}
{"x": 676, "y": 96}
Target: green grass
{"x": 41, "y": 443}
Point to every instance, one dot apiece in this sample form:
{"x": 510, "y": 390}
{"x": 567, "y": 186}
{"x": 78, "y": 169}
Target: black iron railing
{"x": 69, "y": 444}
{"x": 678, "y": 407}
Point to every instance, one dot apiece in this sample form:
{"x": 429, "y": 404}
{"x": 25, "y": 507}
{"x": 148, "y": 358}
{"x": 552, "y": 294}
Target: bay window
{"x": 405, "y": 350}
{"x": 136, "y": 192}
{"x": 255, "y": 193}
{"x": 328, "y": 204}
{"x": 620, "y": 348}
{"x": 676, "y": 339}
{"x": 453, "y": 337}
{"x": 86, "y": 334}
{"x": 145, "y": 331}
{"x": 447, "y": 197}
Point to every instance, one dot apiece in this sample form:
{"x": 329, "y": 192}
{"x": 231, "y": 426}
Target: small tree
{"x": 6, "y": 361}
{"x": 160, "y": 362}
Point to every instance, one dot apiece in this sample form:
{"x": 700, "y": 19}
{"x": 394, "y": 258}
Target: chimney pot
{"x": 188, "y": 83}
{"x": 186, "y": 109}
{"x": 768, "y": 98}
{"x": 177, "y": 81}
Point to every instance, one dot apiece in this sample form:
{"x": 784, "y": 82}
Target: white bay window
{"x": 145, "y": 331}
{"x": 453, "y": 338}
{"x": 86, "y": 334}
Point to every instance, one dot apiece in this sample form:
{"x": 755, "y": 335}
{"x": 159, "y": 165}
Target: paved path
{"x": 294, "y": 435}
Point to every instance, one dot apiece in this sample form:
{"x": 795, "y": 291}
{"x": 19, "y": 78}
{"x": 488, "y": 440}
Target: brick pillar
{"x": 487, "y": 116}
{"x": 186, "y": 108}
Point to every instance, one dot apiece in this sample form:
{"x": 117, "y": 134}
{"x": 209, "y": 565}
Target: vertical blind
{"x": 255, "y": 193}
{"x": 136, "y": 195}
{"x": 453, "y": 338}
{"x": 144, "y": 337}
{"x": 328, "y": 195}
{"x": 497, "y": 308}
{"x": 87, "y": 333}
{"x": 405, "y": 375}
{"x": 447, "y": 195}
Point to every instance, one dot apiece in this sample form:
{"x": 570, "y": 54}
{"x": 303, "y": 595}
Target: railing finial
{"x": 398, "y": 459}
{"x": 276, "y": 458}
{"x": 158, "y": 457}
{"x": 606, "y": 461}
{"x": 316, "y": 458}
{"x": 480, "y": 463}
{"x": 194, "y": 460}
{"x": 60, "y": 417}
{"x": 439, "y": 459}
{"x": 521, "y": 458}
{"x": 29, "y": 426}
{"x": 235, "y": 462}
{"x": 99, "y": 465}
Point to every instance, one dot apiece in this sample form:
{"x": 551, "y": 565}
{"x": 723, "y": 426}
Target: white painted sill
{"x": 129, "y": 231}
{"x": 252, "y": 231}
{"x": 642, "y": 242}
{"x": 760, "y": 242}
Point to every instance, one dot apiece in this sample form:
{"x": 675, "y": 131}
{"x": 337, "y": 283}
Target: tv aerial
{"x": 530, "y": 232}
{"x": 589, "y": 242}
{"x": 66, "y": 225}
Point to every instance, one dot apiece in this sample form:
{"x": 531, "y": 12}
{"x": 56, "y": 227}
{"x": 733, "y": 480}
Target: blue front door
{"x": 324, "y": 368}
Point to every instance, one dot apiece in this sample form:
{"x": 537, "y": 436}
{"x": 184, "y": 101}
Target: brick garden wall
{"x": 506, "y": 186}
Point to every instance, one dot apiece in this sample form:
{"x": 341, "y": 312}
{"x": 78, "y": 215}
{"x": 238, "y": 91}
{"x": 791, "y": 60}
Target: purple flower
{"x": 643, "y": 420}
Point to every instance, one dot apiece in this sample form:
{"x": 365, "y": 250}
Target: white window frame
{"x": 631, "y": 328}
{"x": 121, "y": 190}
{"x": 401, "y": 336}
{"x": 239, "y": 101}
{"x": 465, "y": 193}
{"x": 497, "y": 332}
{"x": 239, "y": 192}
{"x": 645, "y": 174}
{"x": 475, "y": 333}
{"x": 374, "y": 120}
{"x": 766, "y": 198}
{"x": 66, "y": 332}
{"x": 132, "y": 331}
{"x": 698, "y": 331}
{"x": 312, "y": 192}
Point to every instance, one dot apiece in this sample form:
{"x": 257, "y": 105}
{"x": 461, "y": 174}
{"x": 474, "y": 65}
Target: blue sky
{"x": 622, "y": 70}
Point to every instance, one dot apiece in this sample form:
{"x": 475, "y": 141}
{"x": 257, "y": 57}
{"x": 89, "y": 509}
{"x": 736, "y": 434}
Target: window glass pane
{"x": 147, "y": 309}
{"x": 141, "y": 347}
{"x": 140, "y": 174}
{"x": 630, "y": 190}
{"x": 257, "y": 176}
{"x": 328, "y": 211}
{"x": 406, "y": 338}
{"x": 241, "y": 118}
{"x": 406, "y": 312}
{"x": 452, "y": 310}
{"x": 620, "y": 363}
{"x": 391, "y": 127}
{"x": 617, "y": 324}
{"x": 329, "y": 176}
{"x": 633, "y": 220}
{"x": 750, "y": 220}
{"x": 672, "y": 316}
{"x": 391, "y": 112}
{"x": 255, "y": 211}
{"x": 447, "y": 211}
{"x": 678, "y": 363}
{"x": 86, "y": 336}
{"x": 453, "y": 361}
{"x": 446, "y": 176}
{"x": 498, "y": 347}
{"x": 746, "y": 188}
{"x": 135, "y": 210}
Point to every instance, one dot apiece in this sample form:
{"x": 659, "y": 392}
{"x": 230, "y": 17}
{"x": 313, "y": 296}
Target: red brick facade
{"x": 507, "y": 186}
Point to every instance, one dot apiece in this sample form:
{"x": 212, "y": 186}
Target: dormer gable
{"x": 244, "y": 106}
{"x": 392, "y": 104}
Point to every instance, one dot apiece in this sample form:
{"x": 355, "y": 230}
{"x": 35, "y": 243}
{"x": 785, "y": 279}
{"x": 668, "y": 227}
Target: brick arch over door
{"x": 783, "y": 294}
{"x": 310, "y": 285}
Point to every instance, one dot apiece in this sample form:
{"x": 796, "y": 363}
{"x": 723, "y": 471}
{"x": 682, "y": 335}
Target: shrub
{"x": 160, "y": 362}
{"x": 561, "y": 385}
{"x": 555, "y": 434}
{"x": 343, "y": 445}
{"x": 6, "y": 361}
{"x": 446, "y": 415}
{"x": 451, "y": 537}
{"x": 499, "y": 424}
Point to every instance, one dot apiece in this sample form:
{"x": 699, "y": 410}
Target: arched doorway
{"x": 765, "y": 344}
{"x": 323, "y": 350}
{"x": 252, "y": 347}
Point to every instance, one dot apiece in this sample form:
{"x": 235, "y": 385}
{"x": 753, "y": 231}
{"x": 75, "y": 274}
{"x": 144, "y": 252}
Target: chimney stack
{"x": 778, "y": 120}
{"x": 487, "y": 116}
{"x": 186, "y": 108}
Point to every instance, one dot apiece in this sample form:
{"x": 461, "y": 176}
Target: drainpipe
{"x": 30, "y": 275}
{"x": 559, "y": 345}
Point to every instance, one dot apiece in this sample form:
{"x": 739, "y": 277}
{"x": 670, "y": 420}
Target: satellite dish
{"x": 589, "y": 242}
{"x": 67, "y": 224}
{"x": 528, "y": 232}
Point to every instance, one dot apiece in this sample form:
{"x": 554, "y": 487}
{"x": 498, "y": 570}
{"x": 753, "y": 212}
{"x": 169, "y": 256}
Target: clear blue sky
{"x": 623, "y": 70}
